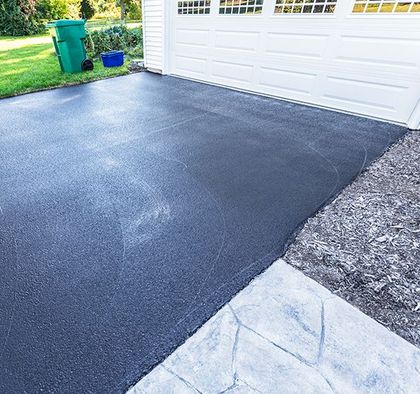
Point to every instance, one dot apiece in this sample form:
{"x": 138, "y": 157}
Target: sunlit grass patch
{"x": 27, "y": 66}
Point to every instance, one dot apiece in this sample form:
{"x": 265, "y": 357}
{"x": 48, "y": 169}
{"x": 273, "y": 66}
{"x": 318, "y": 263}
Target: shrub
{"x": 115, "y": 38}
{"x": 19, "y": 18}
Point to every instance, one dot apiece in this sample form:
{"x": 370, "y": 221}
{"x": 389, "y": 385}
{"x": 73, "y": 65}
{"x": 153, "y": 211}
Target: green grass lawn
{"x": 29, "y": 64}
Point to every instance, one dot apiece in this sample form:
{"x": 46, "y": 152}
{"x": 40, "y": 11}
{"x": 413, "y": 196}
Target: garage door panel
{"x": 286, "y": 81}
{"x": 193, "y": 37}
{"x": 303, "y": 24}
{"x": 396, "y": 27}
{"x": 232, "y": 71}
{"x": 236, "y": 40}
{"x": 304, "y": 45}
{"x": 375, "y": 95}
{"x": 376, "y": 51}
{"x": 193, "y": 51}
{"x": 192, "y": 65}
{"x": 383, "y": 62}
{"x": 321, "y": 66}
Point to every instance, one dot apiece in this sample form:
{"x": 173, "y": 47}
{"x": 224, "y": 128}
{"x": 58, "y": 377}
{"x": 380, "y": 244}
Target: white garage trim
{"x": 362, "y": 63}
{"x": 414, "y": 122}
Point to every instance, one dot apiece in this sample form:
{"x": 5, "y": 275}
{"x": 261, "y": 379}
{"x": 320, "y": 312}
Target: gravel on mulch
{"x": 365, "y": 245}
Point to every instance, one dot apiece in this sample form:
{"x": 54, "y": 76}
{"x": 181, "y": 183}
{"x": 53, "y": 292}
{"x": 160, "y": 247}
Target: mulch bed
{"x": 365, "y": 245}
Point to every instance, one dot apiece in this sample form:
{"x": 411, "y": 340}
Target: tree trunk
{"x": 122, "y": 2}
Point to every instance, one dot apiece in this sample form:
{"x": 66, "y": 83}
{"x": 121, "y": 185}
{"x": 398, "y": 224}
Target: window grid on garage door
{"x": 194, "y": 7}
{"x": 305, "y": 6}
{"x": 240, "y": 7}
{"x": 385, "y": 6}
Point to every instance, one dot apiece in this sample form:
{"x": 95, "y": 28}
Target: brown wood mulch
{"x": 365, "y": 245}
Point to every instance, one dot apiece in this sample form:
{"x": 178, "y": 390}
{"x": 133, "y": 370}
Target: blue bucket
{"x": 112, "y": 58}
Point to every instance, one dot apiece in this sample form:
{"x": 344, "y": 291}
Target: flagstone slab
{"x": 286, "y": 333}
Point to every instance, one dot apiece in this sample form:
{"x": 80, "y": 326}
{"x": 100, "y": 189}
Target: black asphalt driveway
{"x": 133, "y": 208}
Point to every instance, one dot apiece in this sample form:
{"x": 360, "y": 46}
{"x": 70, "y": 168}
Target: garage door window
{"x": 305, "y": 6}
{"x": 386, "y": 6}
{"x": 240, "y": 7}
{"x": 194, "y": 7}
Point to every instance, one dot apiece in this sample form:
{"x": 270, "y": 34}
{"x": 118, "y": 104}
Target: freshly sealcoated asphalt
{"x": 133, "y": 208}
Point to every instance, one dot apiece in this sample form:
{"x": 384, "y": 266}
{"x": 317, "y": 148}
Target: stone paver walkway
{"x": 285, "y": 333}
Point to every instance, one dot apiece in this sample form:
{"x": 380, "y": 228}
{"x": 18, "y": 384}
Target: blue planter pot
{"x": 112, "y": 58}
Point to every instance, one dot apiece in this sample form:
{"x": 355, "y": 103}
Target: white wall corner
{"x": 153, "y": 34}
{"x": 143, "y": 18}
{"x": 166, "y": 28}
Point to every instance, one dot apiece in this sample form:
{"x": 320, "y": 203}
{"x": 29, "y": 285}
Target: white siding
{"x": 153, "y": 27}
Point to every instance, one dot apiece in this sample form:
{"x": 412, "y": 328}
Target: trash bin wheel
{"x": 87, "y": 65}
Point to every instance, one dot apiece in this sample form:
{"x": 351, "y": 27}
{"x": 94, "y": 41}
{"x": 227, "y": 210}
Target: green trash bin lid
{"x": 66, "y": 22}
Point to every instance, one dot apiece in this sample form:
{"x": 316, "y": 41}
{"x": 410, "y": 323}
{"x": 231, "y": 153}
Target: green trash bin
{"x": 69, "y": 42}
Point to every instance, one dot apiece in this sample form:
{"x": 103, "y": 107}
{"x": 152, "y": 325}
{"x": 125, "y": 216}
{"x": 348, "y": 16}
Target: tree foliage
{"x": 74, "y": 9}
{"x": 87, "y": 9}
{"x": 130, "y": 8}
{"x": 19, "y": 18}
{"x": 26, "y": 17}
{"x": 134, "y": 9}
{"x": 59, "y": 9}
{"x": 52, "y": 9}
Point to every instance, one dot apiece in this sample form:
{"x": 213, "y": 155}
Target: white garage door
{"x": 357, "y": 56}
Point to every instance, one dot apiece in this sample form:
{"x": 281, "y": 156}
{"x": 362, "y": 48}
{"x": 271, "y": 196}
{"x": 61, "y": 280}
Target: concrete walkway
{"x": 285, "y": 333}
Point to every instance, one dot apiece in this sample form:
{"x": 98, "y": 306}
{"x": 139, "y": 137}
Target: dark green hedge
{"x": 115, "y": 38}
